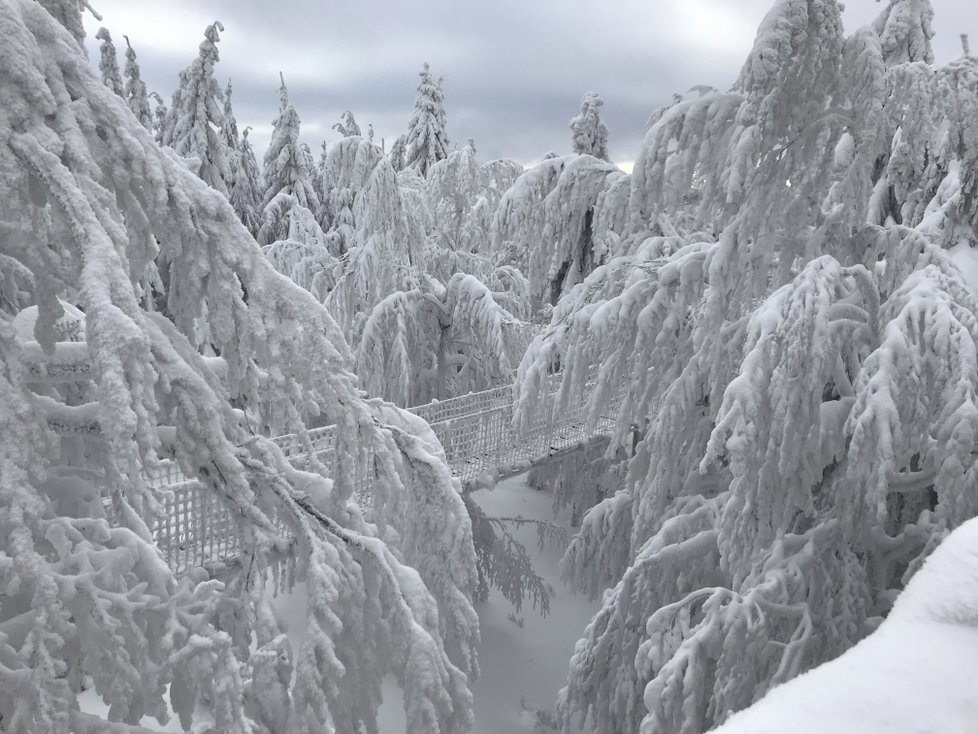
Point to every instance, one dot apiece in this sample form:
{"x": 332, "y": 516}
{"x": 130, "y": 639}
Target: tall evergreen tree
{"x": 135, "y": 89}
{"x": 108, "y": 63}
{"x": 197, "y": 115}
{"x": 229, "y": 127}
{"x": 247, "y": 190}
{"x": 796, "y": 347}
{"x": 398, "y": 153}
{"x": 87, "y": 600}
{"x": 905, "y": 29}
{"x": 287, "y": 174}
{"x": 589, "y": 133}
{"x": 69, "y": 14}
{"x": 160, "y": 117}
{"x": 427, "y": 141}
{"x": 347, "y": 126}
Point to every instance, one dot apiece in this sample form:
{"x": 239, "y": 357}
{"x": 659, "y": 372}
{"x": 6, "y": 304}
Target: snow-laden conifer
{"x": 786, "y": 316}
{"x": 135, "y": 89}
{"x": 347, "y": 126}
{"x": 906, "y": 28}
{"x": 248, "y": 188}
{"x": 286, "y": 173}
{"x": 398, "y": 153}
{"x": 160, "y": 114}
{"x": 435, "y": 341}
{"x": 109, "y": 63}
{"x": 384, "y": 254}
{"x": 196, "y": 115}
{"x": 589, "y": 134}
{"x": 544, "y": 223}
{"x": 427, "y": 140}
{"x": 88, "y": 594}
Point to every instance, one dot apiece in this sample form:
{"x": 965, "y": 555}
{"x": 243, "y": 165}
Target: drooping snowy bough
{"x": 89, "y": 201}
{"x": 799, "y": 345}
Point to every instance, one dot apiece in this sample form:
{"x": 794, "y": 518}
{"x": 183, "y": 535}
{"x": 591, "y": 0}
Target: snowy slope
{"x": 917, "y": 674}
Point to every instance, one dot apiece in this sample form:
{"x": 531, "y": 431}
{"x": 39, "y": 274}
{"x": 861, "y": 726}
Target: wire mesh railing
{"x": 476, "y": 432}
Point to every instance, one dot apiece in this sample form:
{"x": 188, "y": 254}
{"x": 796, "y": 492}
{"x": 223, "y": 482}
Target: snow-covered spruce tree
{"x": 802, "y": 371}
{"x": 135, "y": 89}
{"x": 545, "y": 222}
{"x": 69, "y": 14}
{"x": 454, "y": 190}
{"x": 347, "y": 167}
{"x": 347, "y": 126}
{"x": 398, "y": 153}
{"x": 109, "y": 63}
{"x": 160, "y": 114}
{"x": 905, "y": 28}
{"x": 248, "y": 186}
{"x": 427, "y": 140}
{"x": 589, "y": 134}
{"x": 229, "y": 125}
{"x": 369, "y": 228}
{"x": 434, "y": 341}
{"x": 197, "y": 116}
{"x": 286, "y": 175}
{"x": 85, "y": 596}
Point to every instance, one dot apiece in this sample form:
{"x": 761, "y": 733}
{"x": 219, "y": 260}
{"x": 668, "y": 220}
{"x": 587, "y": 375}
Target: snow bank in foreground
{"x": 917, "y": 673}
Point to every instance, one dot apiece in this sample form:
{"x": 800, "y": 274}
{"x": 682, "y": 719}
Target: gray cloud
{"x": 514, "y": 70}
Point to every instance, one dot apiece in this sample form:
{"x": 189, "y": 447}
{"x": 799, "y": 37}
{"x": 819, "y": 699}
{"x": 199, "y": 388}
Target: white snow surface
{"x": 966, "y": 258}
{"x": 522, "y": 667}
{"x": 917, "y": 673}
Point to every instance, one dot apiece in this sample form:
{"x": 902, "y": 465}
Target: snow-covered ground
{"x": 529, "y": 663}
{"x": 522, "y": 667}
{"x": 917, "y": 673}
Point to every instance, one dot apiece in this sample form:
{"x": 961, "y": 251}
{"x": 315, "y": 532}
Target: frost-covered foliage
{"x": 347, "y": 126}
{"x": 580, "y": 479}
{"x": 229, "y": 125}
{"x": 69, "y": 14}
{"x": 196, "y": 116}
{"x": 160, "y": 116}
{"x": 905, "y": 29}
{"x": 461, "y": 199}
{"x": 398, "y": 153}
{"x": 89, "y": 201}
{"x": 427, "y": 141}
{"x": 912, "y": 674}
{"x": 435, "y": 341}
{"x": 454, "y": 190}
{"x": 588, "y": 134}
{"x": 384, "y": 251}
{"x": 109, "y": 63}
{"x": 544, "y": 223}
{"x": 346, "y": 168}
{"x": 247, "y": 190}
{"x": 306, "y": 263}
{"x": 797, "y": 348}
{"x": 135, "y": 89}
{"x": 286, "y": 175}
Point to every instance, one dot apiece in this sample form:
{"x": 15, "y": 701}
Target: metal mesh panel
{"x": 475, "y": 430}
{"x": 198, "y": 529}
{"x": 440, "y": 410}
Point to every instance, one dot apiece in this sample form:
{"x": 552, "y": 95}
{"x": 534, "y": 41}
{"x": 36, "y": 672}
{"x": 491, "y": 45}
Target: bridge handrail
{"x": 200, "y": 531}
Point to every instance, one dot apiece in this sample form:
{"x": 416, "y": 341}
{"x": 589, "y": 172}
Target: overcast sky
{"x": 514, "y": 70}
